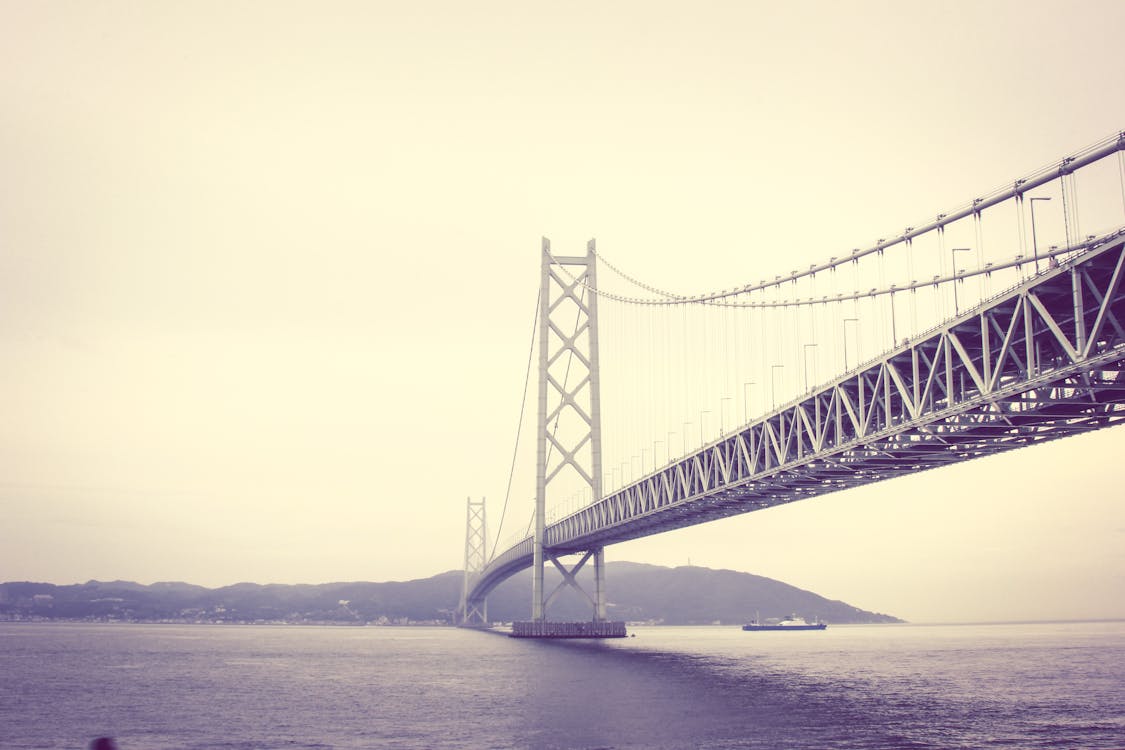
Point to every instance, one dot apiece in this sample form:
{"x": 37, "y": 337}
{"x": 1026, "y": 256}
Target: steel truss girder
{"x": 1039, "y": 363}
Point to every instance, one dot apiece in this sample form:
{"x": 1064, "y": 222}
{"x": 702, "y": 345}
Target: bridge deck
{"x": 1041, "y": 362}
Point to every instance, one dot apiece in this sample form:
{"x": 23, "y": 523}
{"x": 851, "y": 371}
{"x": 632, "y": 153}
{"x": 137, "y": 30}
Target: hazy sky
{"x": 267, "y": 269}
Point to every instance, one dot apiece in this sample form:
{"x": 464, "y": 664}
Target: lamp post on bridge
{"x": 894, "y": 328}
{"x": 1034, "y": 241}
{"x": 773, "y": 384}
{"x": 722, "y": 415}
{"x": 953, "y": 252}
{"x": 845, "y": 327}
{"x": 746, "y": 390}
{"x": 805, "y": 363}
{"x": 701, "y": 413}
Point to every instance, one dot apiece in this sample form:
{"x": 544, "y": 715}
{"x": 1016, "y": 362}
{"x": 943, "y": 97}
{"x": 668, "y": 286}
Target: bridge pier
{"x": 598, "y": 627}
{"x": 548, "y": 629}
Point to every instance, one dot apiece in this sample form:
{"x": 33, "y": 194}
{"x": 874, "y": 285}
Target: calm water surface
{"x": 249, "y": 688}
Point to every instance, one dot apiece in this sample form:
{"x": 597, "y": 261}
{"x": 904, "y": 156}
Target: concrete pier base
{"x": 543, "y": 629}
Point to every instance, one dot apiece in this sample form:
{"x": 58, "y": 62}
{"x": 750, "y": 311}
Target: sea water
{"x": 262, "y": 687}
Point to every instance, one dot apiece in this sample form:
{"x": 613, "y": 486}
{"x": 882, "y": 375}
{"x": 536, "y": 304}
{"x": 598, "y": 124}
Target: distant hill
{"x": 686, "y": 595}
{"x": 636, "y": 592}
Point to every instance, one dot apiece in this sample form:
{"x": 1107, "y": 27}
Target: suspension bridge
{"x": 983, "y": 329}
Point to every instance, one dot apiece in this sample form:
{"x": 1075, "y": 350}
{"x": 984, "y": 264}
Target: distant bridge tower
{"x": 476, "y": 556}
{"x": 569, "y": 415}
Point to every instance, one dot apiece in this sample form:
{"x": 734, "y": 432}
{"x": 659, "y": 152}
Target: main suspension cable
{"x": 721, "y": 299}
{"x": 1113, "y": 144}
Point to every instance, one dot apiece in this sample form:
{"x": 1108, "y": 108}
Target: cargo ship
{"x": 790, "y": 623}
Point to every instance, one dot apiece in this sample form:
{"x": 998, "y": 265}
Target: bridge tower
{"x": 568, "y": 435}
{"x": 474, "y": 613}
